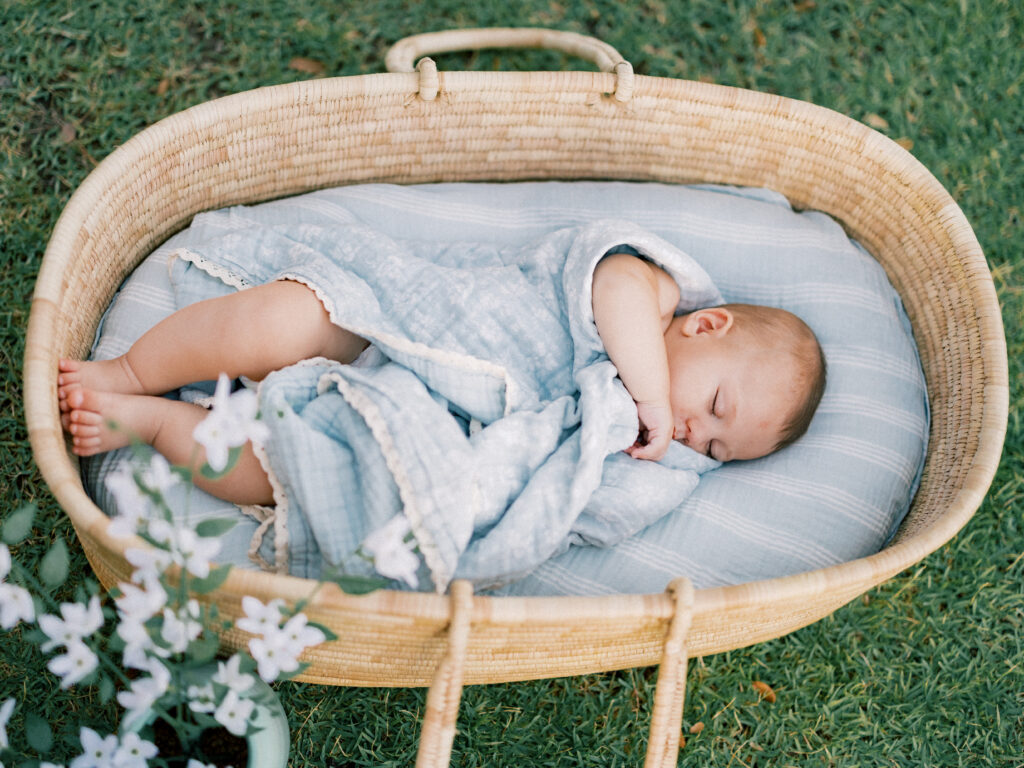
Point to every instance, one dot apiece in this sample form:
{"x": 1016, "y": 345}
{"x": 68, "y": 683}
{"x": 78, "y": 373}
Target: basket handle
{"x": 670, "y": 692}
{"x": 401, "y": 55}
{"x": 438, "y": 731}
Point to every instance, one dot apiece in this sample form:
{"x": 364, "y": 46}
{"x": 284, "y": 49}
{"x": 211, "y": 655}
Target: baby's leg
{"x": 103, "y": 421}
{"x": 248, "y": 333}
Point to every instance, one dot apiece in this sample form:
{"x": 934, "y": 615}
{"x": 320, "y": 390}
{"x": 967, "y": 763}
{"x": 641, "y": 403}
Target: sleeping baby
{"x": 731, "y": 381}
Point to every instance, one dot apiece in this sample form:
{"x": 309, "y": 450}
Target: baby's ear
{"x": 714, "y": 320}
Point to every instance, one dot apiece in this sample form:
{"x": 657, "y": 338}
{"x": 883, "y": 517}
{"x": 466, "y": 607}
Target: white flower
{"x": 15, "y": 605}
{"x": 233, "y": 713}
{"x": 132, "y": 504}
{"x": 392, "y": 555}
{"x": 5, "y": 714}
{"x": 91, "y": 616}
{"x": 181, "y": 628}
{"x": 230, "y": 675}
{"x": 158, "y": 475}
{"x": 97, "y": 752}
{"x": 193, "y": 763}
{"x": 231, "y": 423}
{"x": 148, "y": 563}
{"x": 58, "y": 632}
{"x": 44, "y": 764}
{"x": 273, "y": 655}
{"x": 187, "y": 548}
{"x": 15, "y": 602}
{"x": 133, "y": 752}
{"x": 162, "y": 531}
{"x": 75, "y": 664}
{"x": 259, "y": 618}
{"x": 196, "y": 552}
{"x": 129, "y": 491}
{"x": 201, "y": 698}
{"x": 78, "y": 622}
{"x": 141, "y": 603}
{"x": 279, "y": 649}
{"x": 138, "y": 644}
{"x": 123, "y": 526}
{"x": 159, "y": 672}
{"x": 144, "y": 691}
{"x": 299, "y": 635}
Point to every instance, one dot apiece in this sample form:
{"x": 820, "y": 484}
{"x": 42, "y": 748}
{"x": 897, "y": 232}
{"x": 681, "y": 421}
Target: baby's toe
{"x": 64, "y": 391}
{"x": 84, "y": 430}
{"x": 86, "y": 446}
{"x": 85, "y": 417}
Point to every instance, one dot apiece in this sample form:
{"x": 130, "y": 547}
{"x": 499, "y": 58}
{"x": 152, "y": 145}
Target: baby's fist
{"x": 655, "y": 432}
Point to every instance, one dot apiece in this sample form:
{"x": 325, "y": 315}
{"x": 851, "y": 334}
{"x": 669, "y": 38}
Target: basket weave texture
{"x": 425, "y": 126}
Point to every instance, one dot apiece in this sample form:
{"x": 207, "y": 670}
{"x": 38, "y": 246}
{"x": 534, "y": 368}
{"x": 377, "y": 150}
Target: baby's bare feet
{"x": 114, "y": 376}
{"x": 102, "y": 421}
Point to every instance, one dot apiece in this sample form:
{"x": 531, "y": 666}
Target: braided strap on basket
{"x": 438, "y": 731}
{"x": 667, "y": 717}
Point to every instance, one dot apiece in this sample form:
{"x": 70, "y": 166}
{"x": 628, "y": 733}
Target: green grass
{"x": 924, "y": 670}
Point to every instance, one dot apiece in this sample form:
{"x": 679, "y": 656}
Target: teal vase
{"x": 268, "y": 747}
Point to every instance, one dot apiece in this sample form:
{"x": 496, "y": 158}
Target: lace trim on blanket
{"x": 213, "y": 269}
{"x": 267, "y": 516}
{"x": 276, "y": 516}
{"x": 378, "y": 427}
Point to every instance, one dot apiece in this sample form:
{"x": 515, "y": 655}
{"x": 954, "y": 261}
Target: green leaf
{"x": 204, "y": 649}
{"x": 328, "y": 634}
{"x": 359, "y": 585}
{"x": 38, "y": 733}
{"x": 218, "y": 575}
{"x": 18, "y": 524}
{"x": 303, "y": 666}
{"x": 115, "y": 643}
{"x": 218, "y": 526}
{"x": 106, "y": 689}
{"x": 211, "y": 474}
{"x": 34, "y": 635}
{"x": 53, "y": 569}
{"x": 247, "y": 664}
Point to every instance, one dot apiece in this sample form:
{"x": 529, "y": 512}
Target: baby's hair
{"x": 774, "y": 328}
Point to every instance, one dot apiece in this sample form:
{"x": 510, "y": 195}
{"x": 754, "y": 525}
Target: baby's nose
{"x": 695, "y": 432}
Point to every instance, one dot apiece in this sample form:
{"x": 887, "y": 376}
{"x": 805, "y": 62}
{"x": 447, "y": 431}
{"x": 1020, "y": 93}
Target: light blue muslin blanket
{"x": 490, "y": 417}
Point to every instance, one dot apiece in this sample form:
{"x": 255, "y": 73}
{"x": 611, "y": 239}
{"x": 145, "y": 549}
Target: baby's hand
{"x": 655, "y": 432}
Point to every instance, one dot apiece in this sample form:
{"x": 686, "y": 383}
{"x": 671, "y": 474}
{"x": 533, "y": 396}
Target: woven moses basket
{"x": 416, "y": 125}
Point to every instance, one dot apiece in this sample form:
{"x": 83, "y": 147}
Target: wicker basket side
{"x": 514, "y": 126}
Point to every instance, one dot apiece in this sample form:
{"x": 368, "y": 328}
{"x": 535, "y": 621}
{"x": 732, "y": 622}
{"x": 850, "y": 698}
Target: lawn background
{"x": 924, "y": 670}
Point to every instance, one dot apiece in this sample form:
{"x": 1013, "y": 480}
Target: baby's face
{"x": 730, "y": 400}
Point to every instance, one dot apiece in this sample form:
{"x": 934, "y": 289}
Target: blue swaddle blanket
{"x": 491, "y": 417}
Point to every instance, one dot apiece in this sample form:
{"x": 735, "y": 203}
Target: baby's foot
{"x": 102, "y": 421}
{"x": 98, "y": 375}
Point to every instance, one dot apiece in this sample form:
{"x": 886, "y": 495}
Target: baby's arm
{"x": 633, "y": 302}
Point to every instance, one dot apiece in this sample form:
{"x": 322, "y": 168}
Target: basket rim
{"x": 48, "y": 442}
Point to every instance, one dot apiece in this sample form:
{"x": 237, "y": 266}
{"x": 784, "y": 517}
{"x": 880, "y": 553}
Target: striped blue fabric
{"x": 837, "y": 494}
